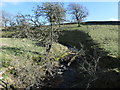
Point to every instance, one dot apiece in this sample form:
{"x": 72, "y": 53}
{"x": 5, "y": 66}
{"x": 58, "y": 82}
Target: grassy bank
{"x": 21, "y": 55}
{"x": 18, "y": 56}
{"x": 105, "y": 35}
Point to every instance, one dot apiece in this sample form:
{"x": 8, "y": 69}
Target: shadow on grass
{"x": 80, "y": 39}
{"x": 17, "y": 51}
{"x": 73, "y": 77}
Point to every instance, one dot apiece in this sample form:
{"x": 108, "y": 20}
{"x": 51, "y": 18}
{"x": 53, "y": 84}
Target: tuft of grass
{"x": 5, "y": 59}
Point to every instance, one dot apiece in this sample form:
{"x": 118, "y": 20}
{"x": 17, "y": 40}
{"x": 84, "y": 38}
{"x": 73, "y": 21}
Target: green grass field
{"x": 14, "y": 47}
{"x": 19, "y": 51}
{"x": 105, "y": 35}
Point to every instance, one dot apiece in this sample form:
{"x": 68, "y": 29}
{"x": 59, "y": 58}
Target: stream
{"x": 67, "y": 78}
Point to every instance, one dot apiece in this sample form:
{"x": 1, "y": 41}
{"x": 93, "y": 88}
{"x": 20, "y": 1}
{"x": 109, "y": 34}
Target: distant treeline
{"x": 96, "y": 23}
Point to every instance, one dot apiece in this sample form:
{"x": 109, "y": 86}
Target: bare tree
{"x": 5, "y": 18}
{"x": 21, "y": 20}
{"x": 54, "y": 13}
{"x": 60, "y": 13}
{"x": 28, "y": 27}
{"x": 78, "y": 11}
{"x": 12, "y": 22}
{"x": 35, "y": 19}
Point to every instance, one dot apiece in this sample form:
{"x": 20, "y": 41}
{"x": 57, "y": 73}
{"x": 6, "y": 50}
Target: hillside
{"x": 23, "y": 59}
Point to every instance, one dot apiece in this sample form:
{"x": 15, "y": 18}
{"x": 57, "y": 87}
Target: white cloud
{"x": 18, "y": 0}
{"x": 60, "y": 0}
{"x": 2, "y": 4}
{"x": 112, "y": 19}
{"x": 14, "y": 2}
{"x": 10, "y": 0}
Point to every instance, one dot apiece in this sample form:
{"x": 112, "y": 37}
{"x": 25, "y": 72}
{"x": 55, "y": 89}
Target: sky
{"x": 98, "y": 11}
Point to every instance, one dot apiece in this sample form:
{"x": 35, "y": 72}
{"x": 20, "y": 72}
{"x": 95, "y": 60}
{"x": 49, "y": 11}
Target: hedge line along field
{"x": 105, "y": 35}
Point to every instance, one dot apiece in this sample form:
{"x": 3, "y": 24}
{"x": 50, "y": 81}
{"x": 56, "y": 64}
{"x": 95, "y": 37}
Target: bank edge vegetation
{"x": 33, "y": 53}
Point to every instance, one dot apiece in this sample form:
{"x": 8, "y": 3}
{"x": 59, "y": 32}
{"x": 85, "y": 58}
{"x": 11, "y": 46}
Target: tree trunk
{"x": 78, "y": 24}
{"x": 59, "y": 24}
{"x": 51, "y": 40}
